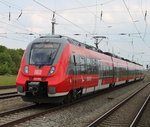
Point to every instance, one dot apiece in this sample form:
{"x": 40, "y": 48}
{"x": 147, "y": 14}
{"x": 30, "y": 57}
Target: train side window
{"x": 82, "y": 65}
{"x": 104, "y": 74}
{"x": 95, "y": 66}
{"x": 92, "y": 65}
{"x": 78, "y": 64}
{"x": 88, "y": 61}
{"x": 103, "y": 71}
{"x": 71, "y": 68}
{"x": 99, "y": 67}
{"x": 82, "y": 60}
{"x": 77, "y": 59}
{"x": 88, "y": 65}
{"x": 107, "y": 71}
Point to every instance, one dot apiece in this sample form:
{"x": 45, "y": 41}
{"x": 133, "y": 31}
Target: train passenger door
{"x": 72, "y": 71}
{"x": 75, "y": 68}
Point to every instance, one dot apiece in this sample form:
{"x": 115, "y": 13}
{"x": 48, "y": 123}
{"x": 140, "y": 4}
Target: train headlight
{"x": 26, "y": 69}
{"x": 52, "y": 70}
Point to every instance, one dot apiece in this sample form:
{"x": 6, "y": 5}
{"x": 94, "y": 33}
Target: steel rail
{"x": 84, "y": 98}
{"x": 21, "y": 120}
{"x": 109, "y": 112}
{"x": 1, "y": 94}
{"x": 8, "y": 87}
{"x": 139, "y": 114}
{"x": 9, "y": 95}
{"x": 11, "y": 111}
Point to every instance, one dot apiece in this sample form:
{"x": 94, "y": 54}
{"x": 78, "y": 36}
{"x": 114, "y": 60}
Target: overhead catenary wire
{"x": 17, "y": 27}
{"x": 86, "y": 7}
{"x": 62, "y": 17}
{"x": 13, "y": 38}
{"x": 75, "y": 8}
{"x": 145, "y": 18}
{"x": 94, "y": 14}
{"x": 20, "y": 27}
{"x": 10, "y": 5}
{"x": 59, "y": 13}
{"x": 134, "y": 23}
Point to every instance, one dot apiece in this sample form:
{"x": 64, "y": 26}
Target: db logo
{"x": 38, "y": 72}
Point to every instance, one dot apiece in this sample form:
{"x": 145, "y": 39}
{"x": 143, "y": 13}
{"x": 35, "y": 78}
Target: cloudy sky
{"x": 124, "y": 23}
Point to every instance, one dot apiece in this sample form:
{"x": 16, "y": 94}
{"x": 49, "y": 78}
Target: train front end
{"x": 41, "y": 77}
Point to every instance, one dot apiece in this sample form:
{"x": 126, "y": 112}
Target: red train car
{"x": 58, "y": 68}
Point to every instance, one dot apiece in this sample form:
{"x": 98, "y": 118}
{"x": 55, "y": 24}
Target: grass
{"x": 6, "y": 80}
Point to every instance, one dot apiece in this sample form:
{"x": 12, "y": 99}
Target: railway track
{"x": 109, "y": 117}
{"x": 15, "y": 118}
{"x": 139, "y": 114}
{"x": 15, "y": 110}
{"x": 8, "y": 95}
{"x": 7, "y": 117}
{"x": 8, "y": 87}
{"x": 18, "y": 115}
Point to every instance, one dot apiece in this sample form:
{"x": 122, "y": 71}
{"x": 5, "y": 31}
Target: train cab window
{"x": 43, "y": 53}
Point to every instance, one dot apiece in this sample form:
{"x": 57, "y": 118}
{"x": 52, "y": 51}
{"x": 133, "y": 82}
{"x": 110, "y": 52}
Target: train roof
{"x": 75, "y": 42}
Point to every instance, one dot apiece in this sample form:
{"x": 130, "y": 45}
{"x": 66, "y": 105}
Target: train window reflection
{"x": 43, "y": 53}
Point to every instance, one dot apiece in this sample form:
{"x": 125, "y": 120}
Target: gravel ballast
{"x": 11, "y": 103}
{"x": 81, "y": 114}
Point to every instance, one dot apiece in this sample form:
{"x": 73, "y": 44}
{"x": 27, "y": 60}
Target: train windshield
{"x": 43, "y": 53}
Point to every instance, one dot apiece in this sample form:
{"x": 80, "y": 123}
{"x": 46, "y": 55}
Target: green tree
{"x": 4, "y": 69}
{"x": 5, "y": 58}
{"x": 20, "y": 51}
{"x": 15, "y": 56}
{"x": 5, "y": 63}
{"x": 10, "y": 60}
{"x": 2, "y": 48}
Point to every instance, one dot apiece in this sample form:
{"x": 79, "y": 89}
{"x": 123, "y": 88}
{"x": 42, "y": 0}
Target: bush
{"x": 10, "y": 60}
{"x": 4, "y": 69}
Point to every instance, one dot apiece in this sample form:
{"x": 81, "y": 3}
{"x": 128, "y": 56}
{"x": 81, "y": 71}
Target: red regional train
{"x": 60, "y": 69}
